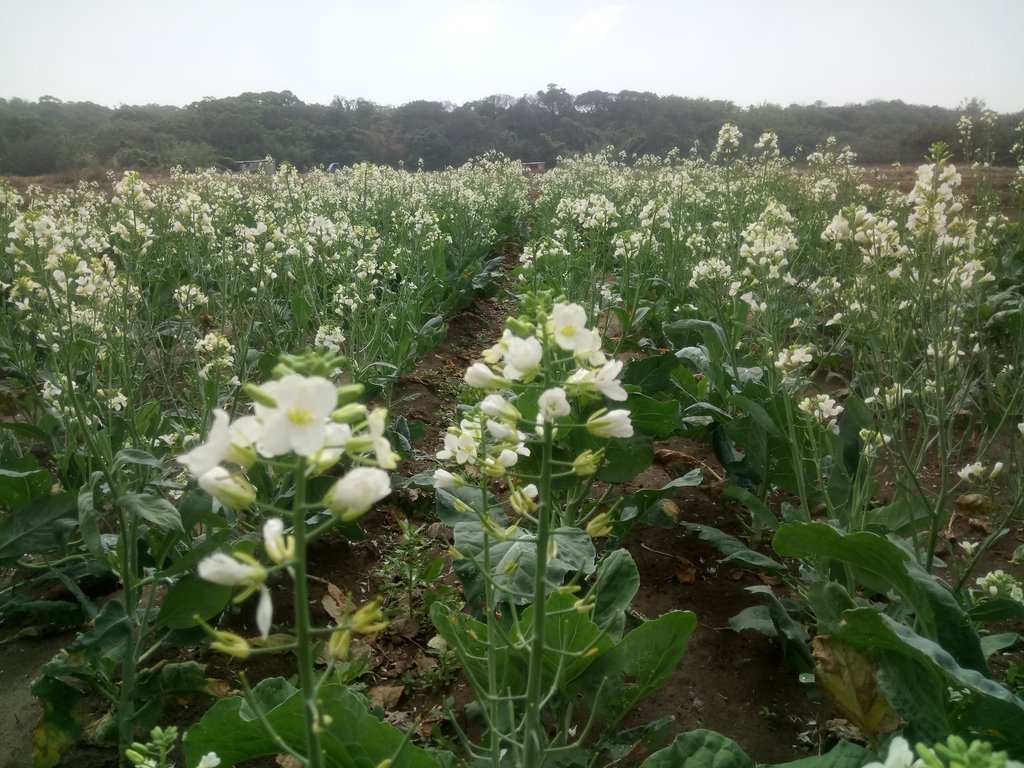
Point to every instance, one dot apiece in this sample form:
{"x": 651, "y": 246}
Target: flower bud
{"x": 349, "y": 393}
{"x": 605, "y": 423}
{"x": 600, "y": 526}
{"x": 368, "y": 619}
{"x": 259, "y": 395}
{"x": 479, "y": 376}
{"x": 349, "y": 414}
{"x": 587, "y": 463}
{"x": 231, "y": 644}
{"x": 229, "y": 488}
{"x": 353, "y": 495}
{"x": 280, "y": 548}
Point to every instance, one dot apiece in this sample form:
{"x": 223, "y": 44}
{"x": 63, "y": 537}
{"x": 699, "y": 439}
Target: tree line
{"x": 50, "y": 135}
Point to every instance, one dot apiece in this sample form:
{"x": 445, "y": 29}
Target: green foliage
{"x": 350, "y": 735}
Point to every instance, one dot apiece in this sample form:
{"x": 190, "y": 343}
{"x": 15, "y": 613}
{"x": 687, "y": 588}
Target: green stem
{"x": 303, "y": 635}
{"x": 533, "y": 730}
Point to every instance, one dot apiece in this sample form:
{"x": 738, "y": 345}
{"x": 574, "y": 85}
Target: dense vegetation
{"x": 51, "y": 135}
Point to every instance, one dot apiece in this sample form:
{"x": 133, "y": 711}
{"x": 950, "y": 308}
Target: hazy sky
{"x": 747, "y": 51}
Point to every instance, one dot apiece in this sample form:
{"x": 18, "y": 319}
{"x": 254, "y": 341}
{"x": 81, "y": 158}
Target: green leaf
{"x": 757, "y": 618}
{"x": 653, "y": 417}
{"x": 734, "y": 550}
{"x": 845, "y": 754}
{"x": 155, "y": 509}
{"x": 65, "y": 715}
{"x": 190, "y": 597}
{"x": 32, "y": 529}
{"x": 18, "y": 487}
{"x": 700, "y": 749}
{"x": 651, "y": 374}
{"x": 615, "y": 584}
{"x": 882, "y": 566}
{"x": 449, "y": 501}
{"x": 351, "y": 737}
{"x": 514, "y": 561}
{"x": 140, "y": 458}
{"x": 927, "y": 686}
{"x": 571, "y": 640}
{"x": 638, "y": 664}
{"x": 627, "y": 457}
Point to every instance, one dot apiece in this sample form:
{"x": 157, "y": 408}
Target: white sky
{"x": 747, "y": 51}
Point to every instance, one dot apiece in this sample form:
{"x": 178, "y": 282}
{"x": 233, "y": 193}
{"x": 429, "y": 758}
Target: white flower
{"x": 229, "y": 488}
{"x": 971, "y": 472}
{"x": 552, "y": 404}
{"x": 210, "y": 454}
{"x": 264, "y": 613}
{"x": 606, "y": 381}
{"x": 445, "y": 479}
{"x": 900, "y": 755}
{"x": 524, "y": 499}
{"x": 280, "y": 548}
{"x": 354, "y": 494}
{"x": 606, "y": 423}
{"x": 822, "y": 408}
{"x": 376, "y": 422}
{"x": 298, "y": 422}
{"x": 522, "y": 359}
{"x": 479, "y": 376}
{"x": 223, "y": 569}
{"x": 497, "y": 407}
{"x": 209, "y": 760}
{"x": 570, "y": 326}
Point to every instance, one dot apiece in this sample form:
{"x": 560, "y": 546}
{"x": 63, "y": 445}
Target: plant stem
{"x": 533, "y": 730}
{"x": 303, "y": 635}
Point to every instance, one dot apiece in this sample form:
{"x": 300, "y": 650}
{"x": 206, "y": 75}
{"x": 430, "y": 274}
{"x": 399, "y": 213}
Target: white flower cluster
{"x": 728, "y": 140}
{"x": 822, "y": 408}
{"x": 792, "y": 359}
{"x": 767, "y": 243}
{"x": 490, "y": 436}
{"x": 593, "y": 212}
{"x": 297, "y": 415}
{"x": 218, "y": 354}
{"x": 997, "y": 584}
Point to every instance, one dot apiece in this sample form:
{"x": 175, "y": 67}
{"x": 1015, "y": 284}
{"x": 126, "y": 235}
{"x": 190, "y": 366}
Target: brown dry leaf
{"x": 850, "y": 679}
{"x": 337, "y": 603}
{"x": 220, "y": 689}
{"x": 975, "y": 502}
{"x": 273, "y": 642}
{"x": 386, "y": 696}
{"x": 669, "y": 456}
{"x": 424, "y": 663}
{"x": 287, "y": 761}
{"x": 982, "y": 525}
{"x": 771, "y": 581}
{"x": 686, "y": 571}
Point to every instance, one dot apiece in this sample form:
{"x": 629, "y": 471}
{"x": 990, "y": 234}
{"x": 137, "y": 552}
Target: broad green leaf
{"x": 791, "y": 633}
{"x": 759, "y": 511}
{"x": 571, "y": 640}
{"x": 627, "y": 457}
{"x": 351, "y": 736}
{"x": 192, "y": 597}
{"x": 452, "y": 505}
{"x": 514, "y": 561}
{"x": 845, "y": 754}
{"x": 733, "y": 549}
{"x": 651, "y": 374}
{"x": 927, "y": 686}
{"x": 155, "y": 509}
{"x": 757, "y": 618}
{"x": 882, "y": 566}
{"x": 31, "y": 529}
{"x": 642, "y": 739}
{"x": 757, "y": 413}
{"x": 700, "y": 749}
{"x": 615, "y": 584}
{"x": 468, "y": 638}
{"x": 653, "y": 417}
{"x": 110, "y": 629}
{"x": 638, "y": 665}
{"x": 18, "y": 487}
{"x": 140, "y": 458}
{"x": 89, "y": 523}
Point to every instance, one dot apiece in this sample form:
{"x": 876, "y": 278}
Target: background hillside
{"x": 50, "y": 135}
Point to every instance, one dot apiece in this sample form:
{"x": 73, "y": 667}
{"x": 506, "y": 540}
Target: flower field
{"x": 216, "y": 394}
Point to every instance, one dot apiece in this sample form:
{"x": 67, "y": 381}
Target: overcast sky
{"x": 747, "y": 51}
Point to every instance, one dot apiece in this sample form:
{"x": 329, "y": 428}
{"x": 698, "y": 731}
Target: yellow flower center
{"x": 300, "y": 417}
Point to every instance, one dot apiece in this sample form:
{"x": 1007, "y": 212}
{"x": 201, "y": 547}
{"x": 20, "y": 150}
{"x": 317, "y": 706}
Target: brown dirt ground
{"x": 735, "y": 683}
